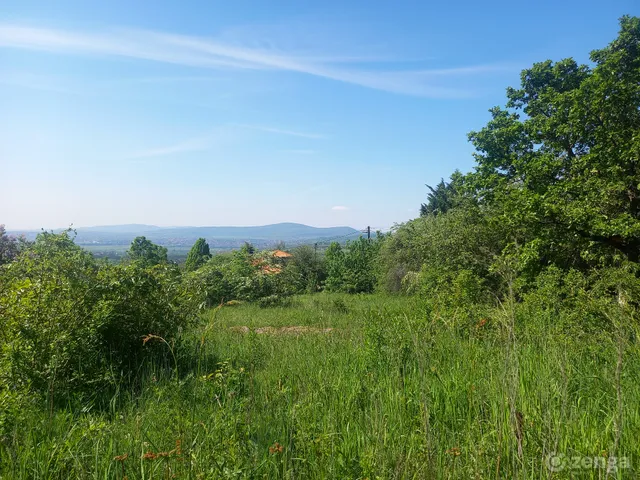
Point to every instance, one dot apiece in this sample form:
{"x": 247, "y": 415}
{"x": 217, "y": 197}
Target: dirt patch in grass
{"x": 293, "y": 330}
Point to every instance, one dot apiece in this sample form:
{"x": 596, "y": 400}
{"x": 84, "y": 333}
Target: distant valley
{"x": 113, "y": 240}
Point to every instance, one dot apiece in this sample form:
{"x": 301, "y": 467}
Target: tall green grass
{"x": 387, "y": 393}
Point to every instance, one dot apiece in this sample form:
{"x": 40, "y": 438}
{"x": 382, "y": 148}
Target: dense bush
{"x": 464, "y": 238}
{"x": 352, "y": 269}
{"x": 71, "y": 324}
{"x": 304, "y": 271}
{"x": 241, "y": 275}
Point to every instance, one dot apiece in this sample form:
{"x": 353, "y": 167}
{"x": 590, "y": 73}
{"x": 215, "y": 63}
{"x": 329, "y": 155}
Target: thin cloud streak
{"x": 167, "y": 79}
{"x": 209, "y": 53}
{"x": 281, "y": 131}
{"x": 223, "y": 133}
{"x": 193, "y": 145}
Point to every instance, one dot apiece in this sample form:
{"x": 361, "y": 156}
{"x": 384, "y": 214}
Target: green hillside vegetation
{"x": 495, "y": 336}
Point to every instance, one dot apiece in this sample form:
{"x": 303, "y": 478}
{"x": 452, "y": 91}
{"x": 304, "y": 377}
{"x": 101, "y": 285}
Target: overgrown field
{"x": 496, "y": 336}
{"x": 386, "y": 393}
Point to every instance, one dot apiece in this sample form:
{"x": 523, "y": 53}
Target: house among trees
{"x": 271, "y": 262}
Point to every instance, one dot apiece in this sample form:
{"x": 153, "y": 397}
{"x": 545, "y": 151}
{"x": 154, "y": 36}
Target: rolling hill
{"x": 221, "y": 237}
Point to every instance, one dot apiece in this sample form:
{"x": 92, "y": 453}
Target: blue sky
{"x": 248, "y": 113}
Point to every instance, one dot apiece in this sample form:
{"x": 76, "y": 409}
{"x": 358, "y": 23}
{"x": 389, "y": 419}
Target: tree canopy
{"x": 561, "y": 161}
{"x": 198, "y": 255}
{"x": 147, "y": 252}
{"x": 442, "y": 198}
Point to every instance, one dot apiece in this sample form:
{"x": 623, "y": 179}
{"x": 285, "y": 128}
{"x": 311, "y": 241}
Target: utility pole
{"x": 369, "y": 233}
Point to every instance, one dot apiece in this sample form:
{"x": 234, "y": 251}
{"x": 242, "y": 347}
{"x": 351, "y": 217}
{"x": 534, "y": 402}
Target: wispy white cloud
{"x": 211, "y": 53}
{"x": 281, "y": 131}
{"x": 339, "y": 208}
{"x": 218, "y": 135}
{"x": 165, "y": 79}
{"x": 192, "y": 145}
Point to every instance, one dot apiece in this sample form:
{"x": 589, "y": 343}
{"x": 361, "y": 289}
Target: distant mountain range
{"x": 221, "y": 237}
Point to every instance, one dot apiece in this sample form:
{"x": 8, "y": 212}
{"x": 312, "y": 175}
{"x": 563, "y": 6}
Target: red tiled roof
{"x": 268, "y": 269}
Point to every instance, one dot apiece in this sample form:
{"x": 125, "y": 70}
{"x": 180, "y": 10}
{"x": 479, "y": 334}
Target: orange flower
{"x": 121, "y": 458}
{"x": 481, "y": 323}
{"x": 455, "y": 452}
{"x": 153, "y": 456}
{"x": 275, "y": 448}
{"x": 149, "y": 456}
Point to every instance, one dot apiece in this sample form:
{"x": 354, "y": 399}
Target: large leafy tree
{"x": 146, "y": 252}
{"x": 198, "y": 255}
{"x": 566, "y": 174}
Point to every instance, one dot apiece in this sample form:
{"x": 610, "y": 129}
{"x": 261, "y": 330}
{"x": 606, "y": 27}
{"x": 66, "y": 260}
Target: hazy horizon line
{"x": 73, "y": 227}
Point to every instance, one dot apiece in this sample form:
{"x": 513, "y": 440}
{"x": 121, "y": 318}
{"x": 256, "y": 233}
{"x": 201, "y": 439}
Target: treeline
{"x": 556, "y": 186}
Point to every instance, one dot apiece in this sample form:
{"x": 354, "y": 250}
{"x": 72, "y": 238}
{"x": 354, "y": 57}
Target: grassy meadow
{"x": 496, "y": 336}
{"x": 387, "y": 392}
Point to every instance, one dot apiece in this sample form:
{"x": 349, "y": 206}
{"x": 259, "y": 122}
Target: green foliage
{"x": 198, "y": 255}
{"x": 566, "y": 174}
{"x": 388, "y": 393}
{"x": 442, "y": 198}
{"x": 248, "y": 249}
{"x": 239, "y": 275}
{"x": 146, "y": 252}
{"x": 207, "y": 286}
{"x": 352, "y": 269}
{"x": 305, "y": 270}
{"x": 556, "y": 181}
{"x": 271, "y": 301}
{"x": 464, "y": 238}
{"x": 459, "y": 299}
{"x": 69, "y": 323}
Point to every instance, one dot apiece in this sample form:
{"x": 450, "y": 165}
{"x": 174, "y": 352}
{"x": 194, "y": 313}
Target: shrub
{"x": 274, "y": 301}
{"x": 464, "y": 238}
{"x": 69, "y": 323}
{"x": 304, "y": 272}
{"x": 352, "y": 269}
{"x": 340, "y": 306}
{"x": 459, "y": 298}
{"x": 205, "y": 287}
